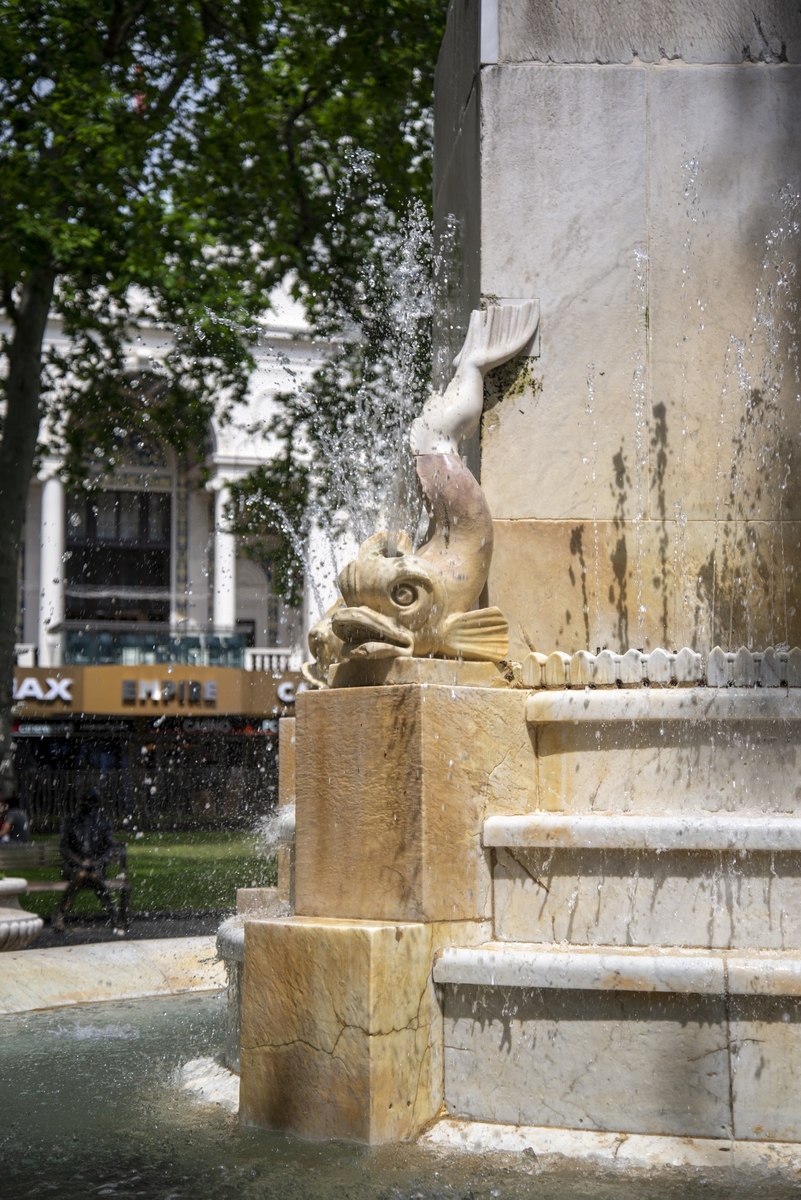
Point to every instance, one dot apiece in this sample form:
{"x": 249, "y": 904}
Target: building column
{"x": 224, "y": 567}
{"x": 51, "y": 572}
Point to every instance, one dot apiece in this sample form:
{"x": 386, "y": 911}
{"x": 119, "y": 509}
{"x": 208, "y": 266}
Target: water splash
{"x": 749, "y": 576}
{"x": 353, "y": 414}
{"x": 693, "y": 324}
{"x": 639, "y": 389}
{"x": 276, "y": 829}
{"x": 593, "y": 464}
{"x": 299, "y": 543}
{"x": 382, "y": 368}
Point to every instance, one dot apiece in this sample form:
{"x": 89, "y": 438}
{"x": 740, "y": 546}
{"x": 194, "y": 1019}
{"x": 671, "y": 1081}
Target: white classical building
{"x": 146, "y": 570}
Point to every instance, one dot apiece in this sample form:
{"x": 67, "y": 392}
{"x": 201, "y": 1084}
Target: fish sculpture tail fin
{"x": 478, "y": 636}
{"x": 494, "y": 335}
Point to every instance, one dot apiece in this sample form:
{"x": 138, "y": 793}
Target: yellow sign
{"x": 148, "y": 691}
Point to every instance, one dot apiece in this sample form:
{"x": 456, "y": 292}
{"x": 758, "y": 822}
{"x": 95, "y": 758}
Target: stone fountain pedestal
{"x": 342, "y": 1021}
{"x": 17, "y": 927}
{"x": 572, "y": 909}
{"x": 577, "y": 908}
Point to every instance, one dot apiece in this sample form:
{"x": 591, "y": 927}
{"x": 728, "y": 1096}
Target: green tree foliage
{"x": 167, "y": 162}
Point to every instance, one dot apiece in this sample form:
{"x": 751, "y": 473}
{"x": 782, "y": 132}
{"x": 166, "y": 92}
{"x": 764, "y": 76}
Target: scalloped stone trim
{"x": 663, "y": 668}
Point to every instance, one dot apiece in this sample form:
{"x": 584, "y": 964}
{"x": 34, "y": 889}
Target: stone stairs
{"x": 644, "y": 974}
{"x": 677, "y": 970}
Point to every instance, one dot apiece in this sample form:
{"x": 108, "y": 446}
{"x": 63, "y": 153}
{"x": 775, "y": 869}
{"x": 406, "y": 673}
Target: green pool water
{"x": 89, "y": 1108}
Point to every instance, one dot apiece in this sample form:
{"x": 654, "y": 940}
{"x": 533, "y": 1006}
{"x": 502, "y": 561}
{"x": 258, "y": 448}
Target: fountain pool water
{"x": 91, "y": 1108}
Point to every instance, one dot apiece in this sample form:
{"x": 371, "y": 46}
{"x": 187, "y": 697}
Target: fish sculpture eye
{"x": 404, "y": 595}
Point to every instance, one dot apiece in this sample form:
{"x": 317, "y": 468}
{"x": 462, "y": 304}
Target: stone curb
{"x": 40, "y": 979}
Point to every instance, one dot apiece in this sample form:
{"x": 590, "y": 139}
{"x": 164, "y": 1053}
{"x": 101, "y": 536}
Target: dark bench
{"x": 36, "y": 856}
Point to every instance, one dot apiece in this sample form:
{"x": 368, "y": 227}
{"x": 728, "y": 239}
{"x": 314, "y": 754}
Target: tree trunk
{"x": 17, "y": 450}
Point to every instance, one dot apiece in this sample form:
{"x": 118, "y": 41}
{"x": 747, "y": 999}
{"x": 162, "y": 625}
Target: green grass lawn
{"x": 175, "y": 872}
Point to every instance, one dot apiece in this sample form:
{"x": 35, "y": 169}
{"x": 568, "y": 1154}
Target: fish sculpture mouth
{"x": 366, "y": 633}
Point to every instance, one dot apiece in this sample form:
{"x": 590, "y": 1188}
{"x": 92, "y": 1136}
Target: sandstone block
{"x": 255, "y": 900}
{"x": 286, "y": 760}
{"x": 341, "y": 1029}
{"x": 393, "y": 786}
{"x": 607, "y": 584}
{"x": 451, "y": 672}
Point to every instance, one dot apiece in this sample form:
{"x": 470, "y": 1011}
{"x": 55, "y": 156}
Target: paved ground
{"x": 82, "y": 930}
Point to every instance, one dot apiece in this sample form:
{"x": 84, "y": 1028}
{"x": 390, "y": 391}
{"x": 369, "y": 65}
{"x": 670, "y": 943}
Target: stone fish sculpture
{"x": 326, "y": 649}
{"x": 420, "y": 603}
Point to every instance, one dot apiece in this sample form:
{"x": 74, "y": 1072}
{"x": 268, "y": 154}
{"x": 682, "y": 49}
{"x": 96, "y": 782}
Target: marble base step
{"x": 657, "y": 751}
{"x": 622, "y": 969}
{"x": 619, "y": 1151}
{"x": 68, "y": 975}
{"x": 673, "y": 704}
{"x": 624, "y": 831}
{"x": 666, "y": 1043}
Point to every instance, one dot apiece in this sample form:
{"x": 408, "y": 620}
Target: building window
{"x": 248, "y": 631}
{"x": 118, "y": 564}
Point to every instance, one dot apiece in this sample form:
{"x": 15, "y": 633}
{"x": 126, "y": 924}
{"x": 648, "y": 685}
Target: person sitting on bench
{"x": 14, "y": 826}
{"x": 87, "y": 842}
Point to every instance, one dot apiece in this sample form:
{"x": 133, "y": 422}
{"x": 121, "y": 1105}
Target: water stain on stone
{"x": 577, "y": 551}
{"x": 659, "y": 444}
{"x": 618, "y": 591}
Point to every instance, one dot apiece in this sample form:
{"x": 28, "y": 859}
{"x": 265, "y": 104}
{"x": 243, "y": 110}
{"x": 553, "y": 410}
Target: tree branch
{"x": 180, "y": 75}
{"x": 310, "y": 98}
{"x": 121, "y": 24}
{"x": 7, "y": 294}
{"x": 17, "y": 448}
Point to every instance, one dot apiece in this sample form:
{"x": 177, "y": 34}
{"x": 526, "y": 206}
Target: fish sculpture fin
{"x": 494, "y": 335}
{"x": 479, "y": 636}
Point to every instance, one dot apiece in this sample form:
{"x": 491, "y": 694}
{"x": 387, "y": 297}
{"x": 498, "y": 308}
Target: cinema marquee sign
{"x": 31, "y": 688}
{"x": 176, "y": 689}
{"x": 185, "y": 691}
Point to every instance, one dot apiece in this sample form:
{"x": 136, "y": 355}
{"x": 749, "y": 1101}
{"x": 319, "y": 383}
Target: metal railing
{"x": 190, "y": 796}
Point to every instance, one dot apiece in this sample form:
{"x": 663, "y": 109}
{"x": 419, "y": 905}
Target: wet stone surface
{"x": 92, "y": 1108}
